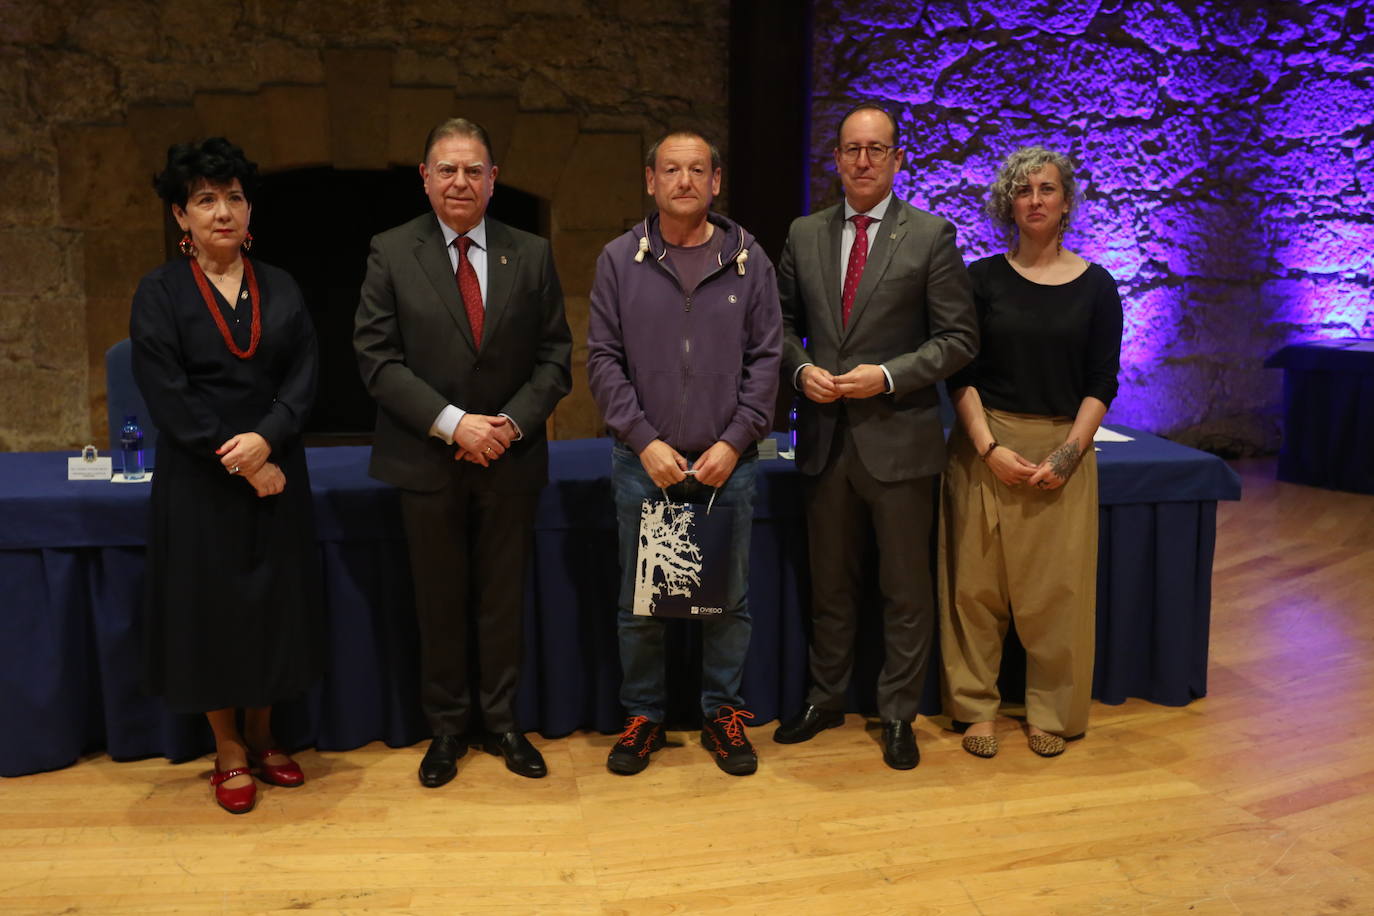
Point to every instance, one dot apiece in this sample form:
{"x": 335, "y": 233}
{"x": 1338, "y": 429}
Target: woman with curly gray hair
{"x": 1019, "y": 497}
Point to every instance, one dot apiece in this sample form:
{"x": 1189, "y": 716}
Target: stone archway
{"x": 358, "y": 119}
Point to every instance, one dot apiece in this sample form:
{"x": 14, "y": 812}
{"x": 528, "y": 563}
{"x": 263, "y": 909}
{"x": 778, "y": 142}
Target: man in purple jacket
{"x": 684, "y": 345}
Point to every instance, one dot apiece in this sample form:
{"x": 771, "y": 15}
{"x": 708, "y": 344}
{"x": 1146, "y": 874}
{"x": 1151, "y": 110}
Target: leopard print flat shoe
{"x": 980, "y": 745}
{"x": 1047, "y": 745}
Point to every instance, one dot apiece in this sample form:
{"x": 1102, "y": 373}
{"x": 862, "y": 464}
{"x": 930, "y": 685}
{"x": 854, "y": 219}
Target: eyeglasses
{"x": 877, "y": 153}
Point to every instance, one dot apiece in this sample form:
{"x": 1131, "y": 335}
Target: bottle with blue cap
{"x": 131, "y": 447}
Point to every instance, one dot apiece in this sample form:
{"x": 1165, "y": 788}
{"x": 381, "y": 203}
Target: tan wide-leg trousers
{"x": 1023, "y": 553}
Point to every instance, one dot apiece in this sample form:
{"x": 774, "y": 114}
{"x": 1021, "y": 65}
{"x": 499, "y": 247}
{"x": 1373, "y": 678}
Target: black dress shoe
{"x": 807, "y": 724}
{"x": 441, "y": 760}
{"x": 899, "y": 746}
{"x": 522, "y": 758}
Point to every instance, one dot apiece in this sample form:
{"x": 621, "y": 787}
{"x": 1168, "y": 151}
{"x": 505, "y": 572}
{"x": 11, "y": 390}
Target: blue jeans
{"x": 724, "y": 639}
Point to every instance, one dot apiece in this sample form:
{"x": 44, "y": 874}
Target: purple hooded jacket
{"x": 690, "y": 371}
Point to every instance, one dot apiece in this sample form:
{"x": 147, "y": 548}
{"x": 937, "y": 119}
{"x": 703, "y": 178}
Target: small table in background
{"x": 1328, "y": 413}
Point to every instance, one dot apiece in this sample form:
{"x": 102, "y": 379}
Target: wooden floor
{"x": 1258, "y": 799}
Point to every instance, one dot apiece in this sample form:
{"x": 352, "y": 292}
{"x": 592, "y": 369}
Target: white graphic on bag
{"x": 669, "y": 561}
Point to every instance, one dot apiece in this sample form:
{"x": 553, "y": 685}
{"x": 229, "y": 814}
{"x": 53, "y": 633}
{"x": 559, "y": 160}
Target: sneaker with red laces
{"x": 641, "y": 737}
{"x": 725, "y": 738}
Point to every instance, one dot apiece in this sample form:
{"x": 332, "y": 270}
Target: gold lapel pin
{"x": 503, "y": 259}
{"x": 893, "y": 236}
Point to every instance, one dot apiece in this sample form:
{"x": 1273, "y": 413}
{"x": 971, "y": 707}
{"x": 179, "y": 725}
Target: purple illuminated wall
{"x": 1227, "y": 152}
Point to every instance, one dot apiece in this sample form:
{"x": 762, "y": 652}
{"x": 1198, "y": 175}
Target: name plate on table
{"x": 89, "y": 466}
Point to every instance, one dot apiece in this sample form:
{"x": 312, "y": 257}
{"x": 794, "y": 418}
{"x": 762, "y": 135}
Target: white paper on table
{"x": 1364, "y": 345}
{"x": 120, "y": 478}
{"x": 89, "y": 468}
{"x": 1104, "y": 434}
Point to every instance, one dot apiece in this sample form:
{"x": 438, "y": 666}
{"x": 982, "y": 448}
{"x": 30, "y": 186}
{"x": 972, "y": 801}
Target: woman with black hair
{"x": 225, "y": 356}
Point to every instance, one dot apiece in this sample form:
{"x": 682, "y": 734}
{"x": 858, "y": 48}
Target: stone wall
{"x": 1227, "y": 153}
{"x": 92, "y": 94}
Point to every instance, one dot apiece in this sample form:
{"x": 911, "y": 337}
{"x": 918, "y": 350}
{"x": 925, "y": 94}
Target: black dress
{"x": 232, "y": 611}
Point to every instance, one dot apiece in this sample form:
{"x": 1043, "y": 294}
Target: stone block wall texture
{"x": 1226, "y": 150}
{"x": 91, "y": 94}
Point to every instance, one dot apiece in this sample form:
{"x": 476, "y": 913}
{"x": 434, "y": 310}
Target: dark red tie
{"x": 858, "y": 257}
{"x": 470, "y": 289}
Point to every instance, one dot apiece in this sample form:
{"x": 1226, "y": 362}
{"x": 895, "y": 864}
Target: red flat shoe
{"x": 235, "y": 801}
{"x": 287, "y": 775}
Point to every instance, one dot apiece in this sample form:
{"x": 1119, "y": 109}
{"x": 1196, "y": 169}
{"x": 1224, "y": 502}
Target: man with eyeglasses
{"x": 877, "y": 307}
{"x": 462, "y": 341}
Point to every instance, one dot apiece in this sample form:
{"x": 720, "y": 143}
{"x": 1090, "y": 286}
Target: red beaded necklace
{"x": 223, "y": 326}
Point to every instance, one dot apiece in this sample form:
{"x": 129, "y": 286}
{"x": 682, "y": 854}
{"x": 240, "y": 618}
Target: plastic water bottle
{"x": 131, "y": 447}
{"x": 790, "y": 452}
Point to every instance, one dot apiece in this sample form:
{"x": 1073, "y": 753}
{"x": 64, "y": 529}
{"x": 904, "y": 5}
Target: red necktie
{"x": 858, "y": 257}
{"x": 470, "y": 289}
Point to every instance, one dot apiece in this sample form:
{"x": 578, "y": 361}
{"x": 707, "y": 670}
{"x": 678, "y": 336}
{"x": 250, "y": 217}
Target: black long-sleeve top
{"x": 201, "y": 395}
{"x": 1043, "y": 348}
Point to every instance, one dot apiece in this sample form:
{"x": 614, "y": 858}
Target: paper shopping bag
{"x": 682, "y": 567}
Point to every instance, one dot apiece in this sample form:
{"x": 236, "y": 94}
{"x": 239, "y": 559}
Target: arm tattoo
{"x": 1064, "y": 459}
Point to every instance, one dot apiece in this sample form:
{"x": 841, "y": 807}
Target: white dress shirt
{"x": 447, "y": 422}
{"x": 847, "y": 236}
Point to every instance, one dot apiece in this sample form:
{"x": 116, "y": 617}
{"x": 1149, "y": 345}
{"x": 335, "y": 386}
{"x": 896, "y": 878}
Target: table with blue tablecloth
{"x": 71, "y": 565}
{"x": 1328, "y": 413}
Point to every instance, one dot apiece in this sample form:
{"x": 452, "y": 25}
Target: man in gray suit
{"x": 876, "y": 309}
{"x": 463, "y": 343}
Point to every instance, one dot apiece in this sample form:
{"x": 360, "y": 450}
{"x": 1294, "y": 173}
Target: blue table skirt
{"x": 1328, "y": 414}
{"x": 71, "y": 563}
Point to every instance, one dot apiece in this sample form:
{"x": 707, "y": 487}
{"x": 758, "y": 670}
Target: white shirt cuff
{"x": 513, "y": 425}
{"x": 796, "y": 376}
{"x": 446, "y": 424}
{"x": 887, "y": 375}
